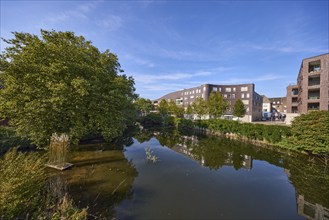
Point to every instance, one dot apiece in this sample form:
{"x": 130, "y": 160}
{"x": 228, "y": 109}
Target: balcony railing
{"x": 314, "y": 97}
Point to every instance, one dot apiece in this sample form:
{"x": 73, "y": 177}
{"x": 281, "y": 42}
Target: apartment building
{"x": 279, "y": 104}
{"x": 312, "y": 89}
{"x": 245, "y": 92}
{"x": 292, "y": 97}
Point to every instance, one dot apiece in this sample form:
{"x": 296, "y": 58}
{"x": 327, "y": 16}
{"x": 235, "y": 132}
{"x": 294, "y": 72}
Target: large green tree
{"x": 174, "y": 109}
{"x": 61, "y": 83}
{"x": 238, "y": 109}
{"x": 217, "y": 104}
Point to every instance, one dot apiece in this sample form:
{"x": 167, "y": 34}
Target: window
{"x": 192, "y": 96}
{"x": 227, "y": 89}
{"x": 234, "y": 89}
{"x": 214, "y": 89}
{"x": 246, "y": 102}
{"x": 314, "y": 66}
{"x": 242, "y": 95}
{"x": 204, "y": 88}
{"x": 247, "y": 109}
{"x": 220, "y": 89}
{"x": 247, "y": 95}
{"x": 233, "y": 96}
{"x": 225, "y": 95}
{"x": 193, "y": 92}
{"x": 244, "y": 89}
{"x": 228, "y": 96}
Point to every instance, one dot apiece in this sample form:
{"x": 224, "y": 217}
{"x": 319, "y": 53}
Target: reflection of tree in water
{"x": 101, "y": 177}
{"x": 309, "y": 176}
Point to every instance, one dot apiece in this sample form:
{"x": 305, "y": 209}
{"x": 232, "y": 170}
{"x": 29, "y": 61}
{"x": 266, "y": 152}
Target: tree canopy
{"x": 200, "y": 107}
{"x": 163, "y": 107}
{"x": 61, "y": 83}
{"x": 144, "y": 105}
{"x": 238, "y": 109}
{"x": 217, "y": 104}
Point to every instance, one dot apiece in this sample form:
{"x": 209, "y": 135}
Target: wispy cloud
{"x": 139, "y": 61}
{"x": 111, "y": 22}
{"x": 148, "y": 79}
{"x": 267, "y": 77}
{"x": 77, "y": 13}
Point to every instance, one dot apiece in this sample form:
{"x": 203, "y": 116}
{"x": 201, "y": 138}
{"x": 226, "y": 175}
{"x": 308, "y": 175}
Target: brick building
{"x": 312, "y": 89}
{"x": 245, "y": 92}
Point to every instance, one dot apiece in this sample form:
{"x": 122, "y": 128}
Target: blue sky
{"x": 171, "y": 45}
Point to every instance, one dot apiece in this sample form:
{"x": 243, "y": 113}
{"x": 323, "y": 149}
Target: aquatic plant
{"x": 150, "y": 156}
{"x": 58, "y": 151}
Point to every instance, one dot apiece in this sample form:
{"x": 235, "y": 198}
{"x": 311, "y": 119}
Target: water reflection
{"x": 309, "y": 176}
{"x": 227, "y": 173}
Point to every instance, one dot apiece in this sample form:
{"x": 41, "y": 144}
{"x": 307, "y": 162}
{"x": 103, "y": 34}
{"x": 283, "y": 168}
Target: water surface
{"x": 196, "y": 177}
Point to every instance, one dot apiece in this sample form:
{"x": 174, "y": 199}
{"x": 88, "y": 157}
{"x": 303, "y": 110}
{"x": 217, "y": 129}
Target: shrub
{"x": 151, "y": 120}
{"x": 8, "y": 139}
{"x": 184, "y": 124}
{"x": 22, "y": 178}
{"x": 310, "y": 132}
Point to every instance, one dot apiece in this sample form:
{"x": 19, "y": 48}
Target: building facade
{"x": 279, "y": 104}
{"x": 245, "y": 92}
{"x": 312, "y": 86}
{"x": 292, "y": 97}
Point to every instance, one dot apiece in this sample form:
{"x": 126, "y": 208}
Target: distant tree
{"x": 189, "y": 111}
{"x": 238, "y": 109}
{"x": 175, "y": 110}
{"x": 217, "y": 104}
{"x": 200, "y": 107}
{"x": 163, "y": 107}
{"x": 60, "y": 83}
{"x": 144, "y": 106}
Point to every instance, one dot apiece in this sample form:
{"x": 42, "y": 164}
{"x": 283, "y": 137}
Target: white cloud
{"x": 111, "y": 22}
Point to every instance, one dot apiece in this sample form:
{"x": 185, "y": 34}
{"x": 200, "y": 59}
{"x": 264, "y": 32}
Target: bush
{"x": 310, "y": 132}
{"x": 184, "y": 124}
{"x": 151, "y": 120}
{"x": 270, "y": 133}
{"x": 8, "y": 139}
{"x": 22, "y": 179}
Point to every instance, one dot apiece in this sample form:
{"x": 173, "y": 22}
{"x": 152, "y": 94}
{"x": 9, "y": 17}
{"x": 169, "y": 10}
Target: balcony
{"x": 313, "y": 106}
{"x": 314, "y": 67}
{"x": 294, "y": 92}
{"x": 314, "y": 81}
{"x": 314, "y": 94}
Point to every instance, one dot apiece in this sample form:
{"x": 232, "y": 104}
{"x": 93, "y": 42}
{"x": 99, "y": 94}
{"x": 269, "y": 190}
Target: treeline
{"x": 308, "y": 133}
{"x": 215, "y": 107}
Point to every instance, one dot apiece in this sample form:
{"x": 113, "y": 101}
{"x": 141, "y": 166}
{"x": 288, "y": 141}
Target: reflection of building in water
{"x": 186, "y": 146}
{"x": 246, "y": 161}
{"x": 311, "y": 211}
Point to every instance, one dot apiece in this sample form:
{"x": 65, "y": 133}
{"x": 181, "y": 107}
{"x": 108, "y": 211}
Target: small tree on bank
{"x": 163, "y": 107}
{"x": 144, "y": 106}
{"x": 238, "y": 109}
{"x": 60, "y": 83}
{"x": 200, "y": 107}
{"x": 217, "y": 104}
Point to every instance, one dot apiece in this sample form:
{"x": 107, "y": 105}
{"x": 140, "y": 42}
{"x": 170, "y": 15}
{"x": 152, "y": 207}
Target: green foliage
{"x": 67, "y": 210}
{"x": 169, "y": 121}
{"x": 8, "y": 139}
{"x": 184, "y": 124}
{"x": 310, "y": 132}
{"x": 217, "y": 104}
{"x": 151, "y": 120}
{"x": 61, "y": 83}
{"x": 239, "y": 109}
{"x": 189, "y": 110}
{"x": 22, "y": 178}
{"x": 271, "y": 133}
{"x": 144, "y": 106}
{"x": 163, "y": 107}
{"x": 200, "y": 107}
